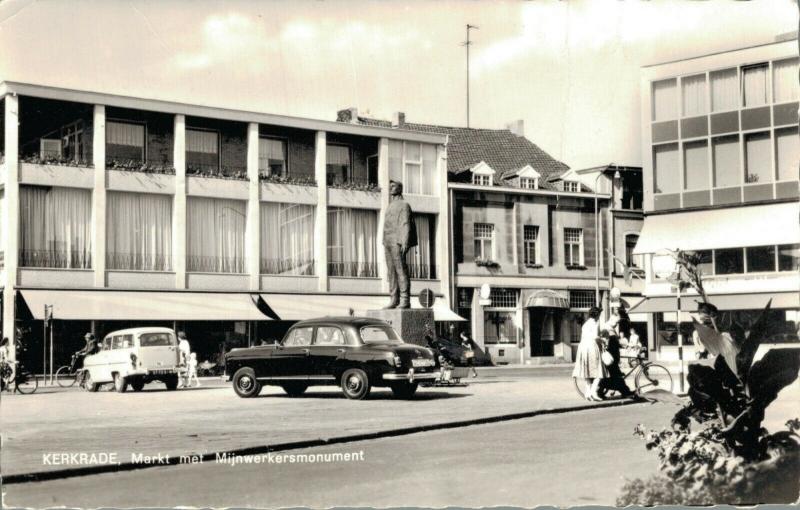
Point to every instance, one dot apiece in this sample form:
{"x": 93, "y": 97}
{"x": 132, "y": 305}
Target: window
{"x": 499, "y": 327}
{"x": 666, "y": 178}
{"x": 784, "y": 81}
{"x": 328, "y": 335}
{"x": 754, "y": 85}
{"x": 55, "y": 227}
{"x": 706, "y": 262}
{"x": 632, "y": 260}
{"x": 484, "y": 239}
{"x": 338, "y": 164}
{"x": 528, "y": 183}
{"x": 299, "y": 337}
{"x": 72, "y": 146}
{"x": 482, "y": 180}
{"x": 272, "y": 157}
{"x": 760, "y": 259}
{"x": 139, "y": 231}
{"x": 202, "y": 150}
{"x": 789, "y": 257}
{"x": 787, "y": 147}
{"x": 215, "y": 233}
{"x": 695, "y": 165}
{"x": 724, "y": 90}
{"x": 413, "y": 164}
{"x": 758, "y": 157}
{"x": 504, "y": 298}
{"x": 530, "y": 252}
{"x": 581, "y": 299}
{"x": 421, "y": 258}
{"x": 125, "y": 141}
{"x": 726, "y": 161}
{"x": 379, "y": 334}
{"x": 571, "y": 186}
{"x": 465, "y": 298}
{"x": 155, "y": 339}
{"x": 665, "y": 100}
{"x": 573, "y": 246}
{"x": 352, "y": 242}
{"x": 287, "y": 239}
{"x": 694, "y": 95}
{"x": 729, "y": 261}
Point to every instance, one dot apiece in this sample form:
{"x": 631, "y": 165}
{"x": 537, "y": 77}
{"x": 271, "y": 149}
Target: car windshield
{"x": 155, "y": 339}
{"x": 379, "y": 334}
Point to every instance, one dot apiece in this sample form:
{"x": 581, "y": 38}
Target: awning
{"x": 296, "y": 307}
{"x": 547, "y": 299}
{"x": 734, "y": 227}
{"x": 145, "y": 306}
{"x": 780, "y": 300}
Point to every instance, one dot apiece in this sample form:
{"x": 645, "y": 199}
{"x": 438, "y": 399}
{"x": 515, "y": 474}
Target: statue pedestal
{"x": 409, "y": 322}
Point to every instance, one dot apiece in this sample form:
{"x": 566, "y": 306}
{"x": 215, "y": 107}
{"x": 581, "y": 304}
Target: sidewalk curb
{"x": 297, "y": 445}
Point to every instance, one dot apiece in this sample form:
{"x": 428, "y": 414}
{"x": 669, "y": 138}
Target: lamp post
{"x": 596, "y": 244}
{"x": 667, "y": 267}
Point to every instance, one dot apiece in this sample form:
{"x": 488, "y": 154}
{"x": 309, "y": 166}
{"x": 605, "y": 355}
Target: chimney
{"x": 349, "y": 115}
{"x": 517, "y": 127}
{"x": 399, "y": 120}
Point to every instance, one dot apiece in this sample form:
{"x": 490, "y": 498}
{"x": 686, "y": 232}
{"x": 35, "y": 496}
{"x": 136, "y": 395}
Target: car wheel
{"x": 404, "y": 390}
{"x": 294, "y": 389}
{"x": 89, "y": 384}
{"x": 137, "y": 384}
{"x": 120, "y": 383}
{"x": 171, "y": 383}
{"x": 355, "y": 384}
{"x": 245, "y": 383}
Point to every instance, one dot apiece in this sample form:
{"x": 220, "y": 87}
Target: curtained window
{"x": 202, "y": 150}
{"x": 421, "y": 258}
{"x": 55, "y": 227}
{"x": 695, "y": 165}
{"x": 352, "y": 242}
{"x": 784, "y": 81}
{"x": 287, "y": 239}
{"x": 413, "y": 164}
{"x": 271, "y": 157}
{"x": 754, "y": 85}
{"x": 787, "y": 147}
{"x": 724, "y": 90}
{"x": 338, "y": 165}
{"x": 758, "y": 157}
{"x": 665, "y": 104}
{"x": 125, "y": 141}
{"x": 215, "y": 230}
{"x": 726, "y": 160}
{"x": 665, "y": 168}
{"x": 694, "y": 95}
{"x": 139, "y": 231}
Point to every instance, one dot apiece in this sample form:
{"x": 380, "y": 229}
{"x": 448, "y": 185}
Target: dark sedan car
{"x": 352, "y": 352}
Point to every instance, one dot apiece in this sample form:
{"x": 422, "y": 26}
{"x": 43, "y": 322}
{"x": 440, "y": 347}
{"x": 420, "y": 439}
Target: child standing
{"x": 191, "y": 370}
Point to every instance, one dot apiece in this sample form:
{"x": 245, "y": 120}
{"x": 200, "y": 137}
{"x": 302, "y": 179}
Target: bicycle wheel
{"x": 64, "y": 378}
{"x": 26, "y": 383}
{"x": 651, "y": 377}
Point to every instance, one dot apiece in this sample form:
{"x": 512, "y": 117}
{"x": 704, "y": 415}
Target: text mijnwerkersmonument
{"x": 96, "y": 458}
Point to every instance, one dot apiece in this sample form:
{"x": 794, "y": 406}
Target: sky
{"x": 569, "y": 69}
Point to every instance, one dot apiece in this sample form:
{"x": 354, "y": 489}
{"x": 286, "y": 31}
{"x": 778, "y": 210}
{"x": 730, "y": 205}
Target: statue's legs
{"x": 391, "y": 271}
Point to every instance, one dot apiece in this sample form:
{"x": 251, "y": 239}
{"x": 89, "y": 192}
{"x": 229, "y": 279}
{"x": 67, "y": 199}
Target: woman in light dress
{"x": 588, "y": 363}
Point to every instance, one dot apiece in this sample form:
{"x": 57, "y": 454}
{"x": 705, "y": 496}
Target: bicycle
{"x": 649, "y": 376}
{"x": 24, "y": 382}
{"x": 66, "y": 378}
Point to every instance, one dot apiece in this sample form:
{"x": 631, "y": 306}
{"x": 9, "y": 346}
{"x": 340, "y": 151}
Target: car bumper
{"x": 411, "y": 376}
{"x": 154, "y": 371}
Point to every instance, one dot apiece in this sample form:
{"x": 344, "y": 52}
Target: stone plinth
{"x": 409, "y": 323}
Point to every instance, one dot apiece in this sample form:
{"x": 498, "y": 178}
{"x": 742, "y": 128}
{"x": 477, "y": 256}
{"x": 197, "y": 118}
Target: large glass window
{"x": 216, "y": 235}
{"x": 789, "y": 257}
{"x": 484, "y": 241}
{"x": 694, "y": 95}
{"x": 784, "y": 81}
{"x": 573, "y": 246}
{"x": 754, "y": 85}
{"x": 665, "y": 100}
{"x": 530, "y": 251}
{"x": 730, "y": 261}
{"x": 724, "y": 90}
{"x": 499, "y": 327}
{"x": 727, "y": 161}
{"x": 665, "y": 168}
{"x": 272, "y": 157}
{"x": 352, "y": 242}
{"x": 287, "y": 239}
{"x": 413, "y": 164}
{"x": 787, "y": 148}
{"x": 338, "y": 166}
{"x": 125, "y": 141}
{"x": 758, "y": 157}
{"x": 55, "y": 227}
{"x": 202, "y": 150}
{"x": 421, "y": 258}
{"x": 139, "y": 231}
{"x": 760, "y": 259}
{"x": 695, "y": 165}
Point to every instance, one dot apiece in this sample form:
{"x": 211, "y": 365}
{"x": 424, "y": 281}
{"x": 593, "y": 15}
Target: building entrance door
{"x": 545, "y": 330}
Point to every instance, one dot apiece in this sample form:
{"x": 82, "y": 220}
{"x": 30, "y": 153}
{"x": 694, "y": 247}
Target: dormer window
{"x": 528, "y": 183}
{"x": 571, "y": 186}
{"x": 482, "y": 180}
{"x": 482, "y": 174}
{"x": 528, "y": 177}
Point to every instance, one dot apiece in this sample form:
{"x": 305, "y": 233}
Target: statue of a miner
{"x": 399, "y": 236}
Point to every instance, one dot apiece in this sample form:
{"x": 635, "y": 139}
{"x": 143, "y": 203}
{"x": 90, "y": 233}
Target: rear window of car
{"x": 155, "y": 339}
{"x": 379, "y": 334}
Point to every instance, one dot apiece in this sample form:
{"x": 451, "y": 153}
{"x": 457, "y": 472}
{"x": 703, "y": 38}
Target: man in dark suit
{"x": 399, "y": 236}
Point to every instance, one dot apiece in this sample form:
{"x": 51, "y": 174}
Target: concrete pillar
{"x": 10, "y": 215}
{"x": 253, "y": 233}
{"x": 443, "y": 236}
{"x": 99, "y": 196}
{"x": 383, "y": 183}
{"x": 179, "y": 203}
{"x": 321, "y": 223}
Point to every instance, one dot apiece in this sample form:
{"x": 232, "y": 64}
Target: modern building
{"x": 120, "y": 211}
{"x": 721, "y": 154}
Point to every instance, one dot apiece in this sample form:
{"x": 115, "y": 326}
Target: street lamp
{"x": 667, "y": 268}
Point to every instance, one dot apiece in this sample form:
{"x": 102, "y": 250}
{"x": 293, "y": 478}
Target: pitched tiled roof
{"x": 501, "y": 149}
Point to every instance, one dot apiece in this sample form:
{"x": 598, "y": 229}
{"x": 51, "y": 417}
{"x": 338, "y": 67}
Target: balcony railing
{"x": 351, "y": 183}
{"x": 206, "y": 264}
{"x": 55, "y": 259}
{"x": 301, "y": 180}
{"x": 138, "y": 262}
{"x": 287, "y": 267}
{"x": 217, "y": 171}
{"x": 56, "y": 159}
{"x": 148, "y": 165}
{"x": 422, "y": 271}
{"x": 353, "y": 269}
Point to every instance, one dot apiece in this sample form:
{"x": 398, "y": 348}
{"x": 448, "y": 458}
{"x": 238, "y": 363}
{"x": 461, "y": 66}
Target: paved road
{"x": 578, "y": 458}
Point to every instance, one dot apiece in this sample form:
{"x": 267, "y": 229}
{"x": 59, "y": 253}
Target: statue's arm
{"x": 404, "y": 227}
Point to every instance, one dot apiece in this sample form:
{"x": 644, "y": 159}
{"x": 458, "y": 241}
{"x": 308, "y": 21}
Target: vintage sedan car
{"x": 352, "y": 352}
{"x": 134, "y": 357}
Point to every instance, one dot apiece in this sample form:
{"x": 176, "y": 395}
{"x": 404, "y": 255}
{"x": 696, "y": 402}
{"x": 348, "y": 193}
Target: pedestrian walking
{"x": 469, "y": 354}
{"x": 184, "y": 350}
{"x": 191, "y": 370}
{"x": 588, "y": 363}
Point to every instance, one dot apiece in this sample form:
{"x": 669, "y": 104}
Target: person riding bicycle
{"x": 78, "y": 357}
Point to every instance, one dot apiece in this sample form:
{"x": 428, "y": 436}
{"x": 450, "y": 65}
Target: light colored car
{"x": 134, "y": 357}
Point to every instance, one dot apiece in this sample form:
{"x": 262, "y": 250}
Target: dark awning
{"x": 780, "y": 300}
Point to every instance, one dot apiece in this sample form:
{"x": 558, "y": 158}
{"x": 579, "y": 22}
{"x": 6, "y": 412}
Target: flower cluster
{"x": 147, "y": 167}
{"x": 300, "y": 180}
{"x": 354, "y": 186}
{"x": 36, "y": 159}
{"x": 487, "y": 263}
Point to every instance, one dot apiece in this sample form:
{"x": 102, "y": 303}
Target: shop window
{"x": 789, "y": 257}
{"x": 499, "y": 327}
{"x": 729, "y": 261}
{"x": 667, "y": 331}
{"x": 760, "y": 259}
{"x": 581, "y": 299}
